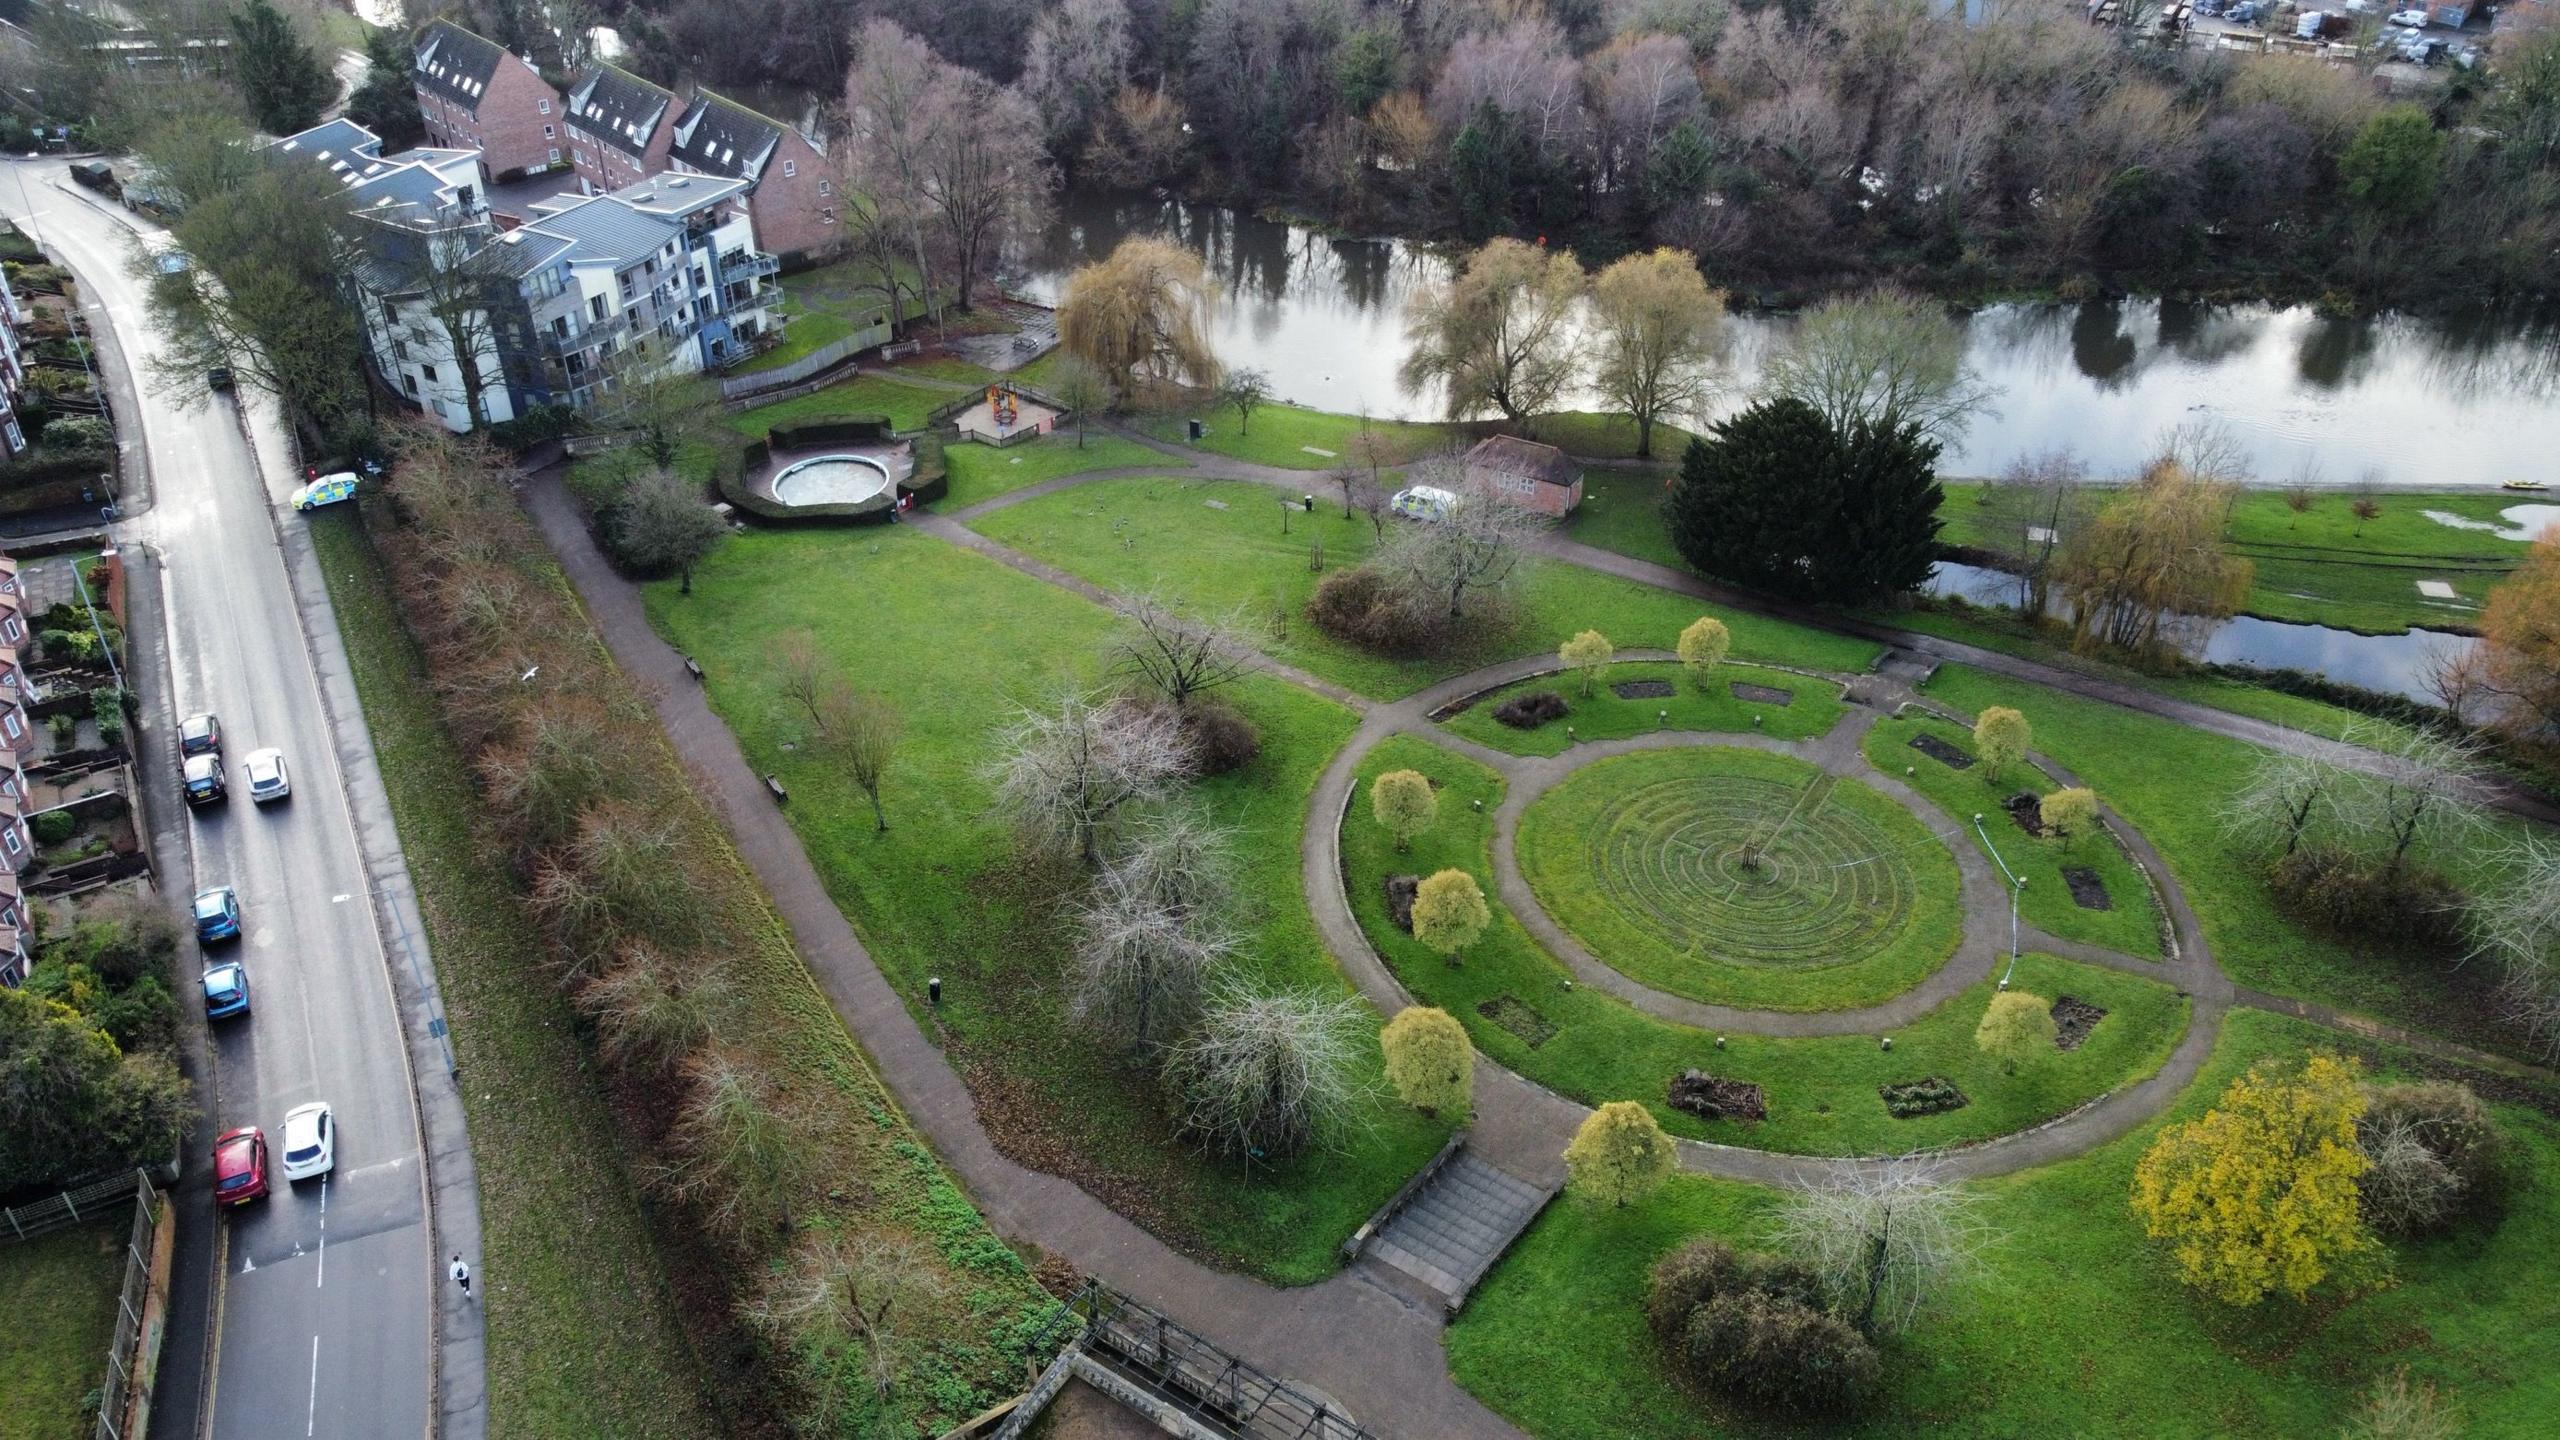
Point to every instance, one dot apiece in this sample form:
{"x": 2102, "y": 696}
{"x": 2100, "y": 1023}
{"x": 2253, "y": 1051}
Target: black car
{"x": 200, "y": 734}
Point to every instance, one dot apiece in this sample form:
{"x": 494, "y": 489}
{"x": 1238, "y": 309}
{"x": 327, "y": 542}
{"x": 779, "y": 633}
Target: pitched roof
{"x": 608, "y": 231}
{"x": 340, "y": 139}
{"x": 720, "y": 137}
{"x": 457, "y": 64}
{"x": 618, "y": 106}
{"x": 1511, "y": 455}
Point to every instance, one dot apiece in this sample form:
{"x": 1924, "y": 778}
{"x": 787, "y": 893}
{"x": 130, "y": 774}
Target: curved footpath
{"x": 1375, "y": 1349}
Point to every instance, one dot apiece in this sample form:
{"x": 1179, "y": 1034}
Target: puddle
{"x": 2523, "y": 521}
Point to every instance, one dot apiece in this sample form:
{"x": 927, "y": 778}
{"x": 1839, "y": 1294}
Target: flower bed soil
{"x": 1529, "y": 711}
{"x": 1940, "y": 751}
{"x": 1762, "y": 694}
{"x": 1644, "y": 690}
{"x": 1712, "y": 1097}
{"x": 2087, "y": 890}
{"x": 1400, "y": 892}
{"x": 1515, "y": 1016}
{"x": 2073, "y": 1020}
{"x": 2027, "y": 808}
{"x": 1914, "y": 1098}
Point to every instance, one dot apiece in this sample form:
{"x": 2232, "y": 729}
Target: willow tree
{"x": 2153, "y": 554}
{"x": 1141, "y": 316}
{"x": 1658, "y": 328}
{"x": 1500, "y": 334}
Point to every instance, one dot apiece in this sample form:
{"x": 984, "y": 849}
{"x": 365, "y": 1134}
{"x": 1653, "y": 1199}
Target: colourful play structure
{"x": 1000, "y": 401}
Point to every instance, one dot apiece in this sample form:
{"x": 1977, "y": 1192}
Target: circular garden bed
{"x": 1738, "y": 877}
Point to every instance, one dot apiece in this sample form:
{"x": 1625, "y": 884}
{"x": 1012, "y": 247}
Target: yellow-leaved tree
{"x": 1449, "y": 913}
{"x": 1404, "y": 804}
{"x": 2069, "y": 813}
{"x": 1429, "y": 1060}
{"x": 2260, "y": 1195}
{"x": 1587, "y": 654}
{"x": 1703, "y": 646}
{"x": 1999, "y": 738}
{"x": 1619, "y": 1155}
{"x": 2016, "y": 1026}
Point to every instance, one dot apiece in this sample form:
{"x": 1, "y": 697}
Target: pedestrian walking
{"x": 462, "y": 1275}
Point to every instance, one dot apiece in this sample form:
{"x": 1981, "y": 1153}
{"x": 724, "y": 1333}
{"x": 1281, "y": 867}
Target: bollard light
{"x": 1719, "y": 1042}
{"x": 933, "y": 991}
{"x": 1888, "y": 1042}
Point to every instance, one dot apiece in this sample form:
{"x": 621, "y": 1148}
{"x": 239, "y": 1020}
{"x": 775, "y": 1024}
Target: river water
{"x": 2390, "y": 400}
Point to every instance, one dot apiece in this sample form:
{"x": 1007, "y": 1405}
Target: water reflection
{"x": 2465, "y": 401}
{"x": 2392, "y": 664}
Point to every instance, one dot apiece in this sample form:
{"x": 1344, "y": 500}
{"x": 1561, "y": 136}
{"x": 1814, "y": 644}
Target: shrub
{"x": 78, "y": 432}
{"x": 110, "y": 712}
{"x": 2016, "y": 1026}
{"x": 53, "y": 827}
{"x": 1531, "y": 709}
{"x": 2436, "y": 1154}
{"x": 1778, "y": 1352}
{"x": 62, "y": 728}
{"x": 1705, "y": 1268}
{"x": 2344, "y": 897}
{"x": 1449, "y": 913}
{"x": 1404, "y": 804}
{"x": 1220, "y": 739}
{"x": 542, "y": 422}
{"x": 1429, "y": 1060}
{"x": 2068, "y": 813}
{"x": 1620, "y": 1154}
{"x": 1268, "y": 1075}
{"x": 2397, "y": 1410}
{"x": 1365, "y": 606}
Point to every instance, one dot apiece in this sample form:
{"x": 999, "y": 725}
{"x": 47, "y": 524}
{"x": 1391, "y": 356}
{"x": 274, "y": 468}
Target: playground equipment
{"x": 1000, "y": 402}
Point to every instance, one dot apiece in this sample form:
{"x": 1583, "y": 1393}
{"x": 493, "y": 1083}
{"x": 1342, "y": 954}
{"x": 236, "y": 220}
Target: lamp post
{"x": 2017, "y": 883}
{"x": 81, "y": 583}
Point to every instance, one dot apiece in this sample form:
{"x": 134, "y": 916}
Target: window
{"x": 790, "y": 168}
{"x": 560, "y": 326}
{"x": 429, "y": 371}
{"x": 9, "y": 722}
{"x": 14, "y": 630}
{"x": 9, "y": 837}
{"x": 390, "y": 313}
{"x": 555, "y": 154}
{"x": 826, "y": 187}
{"x": 595, "y": 307}
{"x": 551, "y": 133}
{"x": 546, "y": 109}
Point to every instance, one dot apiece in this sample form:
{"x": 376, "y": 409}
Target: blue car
{"x": 217, "y": 914}
{"x": 226, "y": 990}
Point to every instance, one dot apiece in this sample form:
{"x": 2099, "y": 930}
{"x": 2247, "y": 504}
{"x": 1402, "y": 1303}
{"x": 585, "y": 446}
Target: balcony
{"x": 747, "y": 265}
{"x": 597, "y": 332}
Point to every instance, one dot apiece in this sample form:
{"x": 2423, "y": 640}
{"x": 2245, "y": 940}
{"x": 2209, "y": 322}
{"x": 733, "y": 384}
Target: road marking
{"x": 246, "y": 1263}
{"x": 311, "y": 1412}
{"x": 324, "y": 1234}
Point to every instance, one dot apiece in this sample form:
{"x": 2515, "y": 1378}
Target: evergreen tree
{"x": 283, "y": 81}
{"x": 1887, "y": 537}
{"x": 1759, "y": 497}
{"x": 387, "y": 102}
{"x": 1481, "y": 170}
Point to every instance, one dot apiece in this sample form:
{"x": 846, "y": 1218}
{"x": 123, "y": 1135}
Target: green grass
{"x": 1821, "y": 1092}
{"x": 905, "y": 405}
{"x": 585, "y": 1337}
{"x": 1606, "y": 435}
{"x": 982, "y": 472}
{"x": 2326, "y": 567}
{"x": 1858, "y": 904}
{"x": 1622, "y": 511}
{"x": 2072, "y": 1323}
{"x": 59, "y": 1292}
{"x": 807, "y": 332}
{"x": 2172, "y": 783}
{"x": 1603, "y": 715}
{"x": 1170, "y": 536}
{"x": 823, "y": 305}
{"x": 1278, "y": 434}
{"x": 2131, "y": 926}
{"x": 956, "y": 641}
{"x": 946, "y": 367}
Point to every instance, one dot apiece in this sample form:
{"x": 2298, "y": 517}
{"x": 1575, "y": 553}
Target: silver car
{"x": 264, "y": 770}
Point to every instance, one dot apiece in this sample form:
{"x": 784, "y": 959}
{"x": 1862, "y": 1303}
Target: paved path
{"x": 1372, "y": 1347}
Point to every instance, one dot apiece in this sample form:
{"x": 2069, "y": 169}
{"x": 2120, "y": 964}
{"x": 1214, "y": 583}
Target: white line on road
{"x": 324, "y": 1235}
{"x": 311, "y": 1412}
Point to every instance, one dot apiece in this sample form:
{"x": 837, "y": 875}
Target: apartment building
{"x": 476, "y": 95}
{"x": 791, "y": 189}
{"x": 620, "y": 127}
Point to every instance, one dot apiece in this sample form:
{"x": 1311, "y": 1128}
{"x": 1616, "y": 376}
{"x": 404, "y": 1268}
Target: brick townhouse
{"x": 13, "y": 929}
{"x": 619, "y": 129}
{"x": 13, "y": 375}
{"x": 474, "y": 95}
{"x": 791, "y": 190}
{"x": 17, "y": 845}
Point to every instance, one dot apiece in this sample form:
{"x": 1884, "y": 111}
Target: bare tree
{"x": 1887, "y": 359}
{"x": 1152, "y": 937}
{"x": 1063, "y": 773}
{"x": 987, "y": 176}
{"x": 1244, "y": 391}
{"x": 1472, "y": 551}
{"x": 739, "y": 1156}
{"x": 1177, "y": 655}
{"x": 663, "y": 410}
{"x": 1268, "y": 1074}
{"x": 1882, "y": 1238}
{"x": 1074, "y": 66}
{"x": 459, "y": 278}
{"x": 860, "y": 730}
{"x": 652, "y": 1010}
{"x": 1081, "y": 388}
{"x": 1500, "y": 334}
{"x": 2034, "y": 509}
{"x": 2282, "y": 797}
{"x": 889, "y": 119}
{"x": 2423, "y": 791}
{"x": 857, "y": 1286}
{"x": 2515, "y": 924}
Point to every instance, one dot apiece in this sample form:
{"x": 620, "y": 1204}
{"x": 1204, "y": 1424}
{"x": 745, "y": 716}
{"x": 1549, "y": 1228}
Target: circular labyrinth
{"x": 1742, "y": 877}
{"x": 1753, "y": 871}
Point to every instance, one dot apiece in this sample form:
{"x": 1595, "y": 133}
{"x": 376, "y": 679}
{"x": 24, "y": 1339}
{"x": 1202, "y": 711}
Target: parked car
{"x": 2421, "y": 50}
{"x": 2407, "y": 19}
{"x": 200, "y": 734}
{"x": 265, "y": 772}
{"x": 310, "y": 1141}
{"x": 92, "y": 175}
{"x": 326, "y": 490}
{"x": 203, "y": 778}
{"x": 226, "y": 990}
{"x": 240, "y": 1166}
{"x": 218, "y": 378}
{"x": 1423, "y": 502}
{"x": 217, "y": 914}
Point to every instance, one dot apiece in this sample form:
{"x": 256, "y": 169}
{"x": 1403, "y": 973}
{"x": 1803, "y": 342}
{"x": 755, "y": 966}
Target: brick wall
{"x": 794, "y": 202}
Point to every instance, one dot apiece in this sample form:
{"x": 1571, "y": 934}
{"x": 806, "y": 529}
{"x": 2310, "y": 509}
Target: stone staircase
{"x": 1451, "y": 1228}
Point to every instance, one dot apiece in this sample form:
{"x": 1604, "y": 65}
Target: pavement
{"x": 320, "y": 1303}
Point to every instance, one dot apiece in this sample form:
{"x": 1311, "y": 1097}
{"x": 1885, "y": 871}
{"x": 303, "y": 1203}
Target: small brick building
{"x": 791, "y": 189}
{"x": 474, "y": 95}
{"x": 619, "y": 129}
{"x": 1541, "y": 477}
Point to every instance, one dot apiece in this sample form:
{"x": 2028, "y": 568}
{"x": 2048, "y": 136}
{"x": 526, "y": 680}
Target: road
{"x": 325, "y": 1292}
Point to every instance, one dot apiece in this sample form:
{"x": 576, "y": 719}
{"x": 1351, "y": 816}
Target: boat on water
{"x": 2524, "y": 485}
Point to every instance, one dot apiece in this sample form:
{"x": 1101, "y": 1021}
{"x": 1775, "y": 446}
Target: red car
{"x": 240, "y": 1166}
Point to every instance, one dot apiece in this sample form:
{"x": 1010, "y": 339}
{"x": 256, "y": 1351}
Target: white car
{"x": 1423, "y": 502}
{"x": 264, "y": 770}
{"x": 310, "y": 1141}
{"x": 2407, "y": 19}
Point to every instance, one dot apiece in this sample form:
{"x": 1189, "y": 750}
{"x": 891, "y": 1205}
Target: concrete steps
{"x": 1450, "y": 1233}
